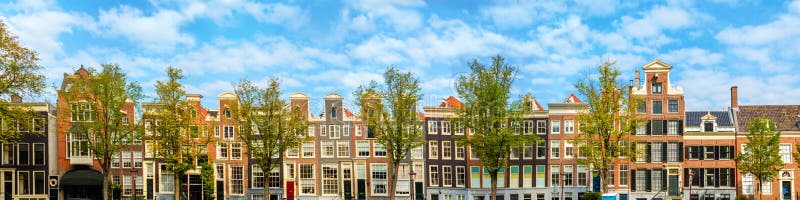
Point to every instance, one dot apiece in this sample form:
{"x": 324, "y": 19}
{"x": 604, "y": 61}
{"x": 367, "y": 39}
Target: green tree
{"x": 174, "y": 116}
{"x": 608, "y": 121}
{"x": 761, "y": 156}
{"x": 19, "y": 76}
{"x": 270, "y": 126}
{"x": 111, "y": 98}
{"x": 488, "y": 113}
{"x": 395, "y": 122}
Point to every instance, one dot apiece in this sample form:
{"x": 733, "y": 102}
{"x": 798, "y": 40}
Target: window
{"x": 655, "y": 180}
{"x": 694, "y": 176}
{"x": 656, "y": 88}
{"x": 459, "y": 129}
{"x": 541, "y": 150}
{"x": 461, "y": 176}
{"x": 658, "y": 127}
{"x": 673, "y": 106}
{"x": 642, "y": 107}
{"x": 258, "y": 176}
{"x": 708, "y": 126}
{"x": 433, "y": 150}
{"x": 289, "y": 171}
{"x": 568, "y": 149}
{"x": 657, "y": 107}
{"x": 708, "y": 152}
{"x": 555, "y": 149}
{"x": 362, "y": 147}
{"x": 23, "y": 183}
{"x": 529, "y": 128}
{"x": 322, "y": 131}
{"x": 672, "y": 127}
{"x": 311, "y": 131}
{"x": 540, "y": 175}
{"x": 582, "y": 175}
{"x": 236, "y": 151}
{"x": 228, "y": 132}
{"x": 447, "y": 176}
{"x": 641, "y": 130}
{"x": 222, "y": 150}
{"x": 39, "y": 125}
{"x": 555, "y": 127}
{"x": 358, "y": 130}
{"x": 126, "y": 159}
{"x": 555, "y": 180}
{"x": 475, "y": 176}
{"x": 747, "y": 184}
{"x": 127, "y": 185}
{"x": 694, "y": 152}
{"x": 610, "y": 178}
{"x": 640, "y": 180}
{"x": 513, "y": 176}
{"x": 655, "y": 152}
{"x": 166, "y": 180}
{"x": 569, "y": 126}
{"x": 766, "y": 187}
{"x": 567, "y": 175}
{"x": 8, "y": 154}
{"x": 307, "y": 185}
{"x": 380, "y": 151}
{"x": 78, "y": 145}
{"x": 330, "y": 179}
{"x": 433, "y": 127}
{"x": 343, "y": 149}
{"x": 724, "y": 177}
{"x": 786, "y": 153}
{"x": 445, "y": 128}
{"x": 709, "y": 179}
{"x": 308, "y": 149}
{"x": 672, "y": 152}
{"x": 237, "y": 179}
{"x": 379, "y": 180}
{"x": 541, "y": 127}
{"x": 137, "y": 159}
{"x": 460, "y": 151}
{"x": 216, "y": 129}
{"x": 446, "y": 150}
{"x": 433, "y": 175}
{"x": 327, "y": 149}
{"x": 527, "y": 176}
{"x": 725, "y": 152}
{"x": 473, "y": 155}
{"x": 335, "y": 132}
{"x": 346, "y": 130}
{"x": 23, "y": 154}
{"x": 39, "y": 182}
{"x": 82, "y": 111}
{"x": 527, "y": 151}
{"x": 641, "y": 149}
{"x": 623, "y": 174}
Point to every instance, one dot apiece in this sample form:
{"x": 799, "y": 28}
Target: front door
{"x": 289, "y": 190}
{"x": 8, "y": 185}
{"x": 348, "y": 190}
{"x": 418, "y": 191}
{"x": 362, "y": 189}
{"x": 786, "y": 190}
{"x": 673, "y": 185}
{"x": 220, "y": 190}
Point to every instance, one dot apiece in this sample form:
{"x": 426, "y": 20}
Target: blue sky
{"x": 320, "y": 47}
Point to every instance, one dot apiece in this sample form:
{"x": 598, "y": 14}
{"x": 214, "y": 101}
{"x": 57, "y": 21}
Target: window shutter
{"x": 663, "y": 127}
{"x": 664, "y": 152}
{"x": 649, "y": 131}
{"x": 648, "y": 180}
{"x": 716, "y": 177}
{"x": 664, "y": 179}
{"x": 686, "y": 175}
{"x": 702, "y": 177}
{"x": 716, "y": 152}
{"x": 680, "y": 152}
{"x": 649, "y": 153}
{"x": 701, "y": 152}
{"x": 633, "y": 180}
{"x": 731, "y": 176}
{"x": 680, "y": 127}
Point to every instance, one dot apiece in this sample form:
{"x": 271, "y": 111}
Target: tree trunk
{"x": 603, "y": 184}
{"x": 176, "y": 179}
{"x": 392, "y": 179}
{"x": 493, "y": 174}
{"x": 106, "y": 191}
{"x": 758, "y": 189}
{"x": 266, "y": 187}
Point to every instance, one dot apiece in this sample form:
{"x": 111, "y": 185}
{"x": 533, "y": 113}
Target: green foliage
{"x": 19, "y": 75}
{"x": 391, "y": 113}
{"x": 270, "y": 126}
{"x": 207, "y": 175}
{"x": 761, "y": 156}
{"x": 488, "y": 113}
{"x": 608, "y": 106}
{"x": 592, "y": 196}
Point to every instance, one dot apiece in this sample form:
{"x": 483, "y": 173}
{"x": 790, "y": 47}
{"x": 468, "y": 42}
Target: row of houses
{"x": 687, "y": 154}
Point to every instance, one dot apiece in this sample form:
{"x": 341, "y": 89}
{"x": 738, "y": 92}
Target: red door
{"x": 289, "y": 190}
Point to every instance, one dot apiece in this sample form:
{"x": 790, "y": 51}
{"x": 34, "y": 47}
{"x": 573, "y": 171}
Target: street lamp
{"x": 691, "y": 176}
{"x": 411, "y": 174}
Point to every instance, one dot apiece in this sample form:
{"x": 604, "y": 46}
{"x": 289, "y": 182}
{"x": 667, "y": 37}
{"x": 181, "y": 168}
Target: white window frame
{"x": 569, "y": 126}
{"x": 433, "y": 149}
{"x": 433, "y": 127}
{"x": 447, "y": 150}
{"x": 555, "y": 127}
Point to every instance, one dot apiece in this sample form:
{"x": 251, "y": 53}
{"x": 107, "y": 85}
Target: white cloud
{"x": 398, "y": 15}
{"x": 39, "y": 26}
{"x": 655, "y": 21}
{"x": 599, "y": 7}
{"x": 777, "y": 31}
{"x": 521, "y": 13}
{"x": 158, "y": 30}
{"x": 278, "y": 13}
{"x": 692, "y": 56}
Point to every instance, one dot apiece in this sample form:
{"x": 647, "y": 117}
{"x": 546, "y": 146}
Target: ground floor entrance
{"x": 82, "y": 184}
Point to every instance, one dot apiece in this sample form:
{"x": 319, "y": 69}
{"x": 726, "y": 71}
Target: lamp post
{"x": 134, "y": 171}
{"x": 691, "y": 176}
{"x": 411, "y": 174}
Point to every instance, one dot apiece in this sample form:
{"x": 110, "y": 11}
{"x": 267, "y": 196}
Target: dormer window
{"x": 656, "y": 88}
{"x": 333, "y": 111}
{"x": 708, "y": 126}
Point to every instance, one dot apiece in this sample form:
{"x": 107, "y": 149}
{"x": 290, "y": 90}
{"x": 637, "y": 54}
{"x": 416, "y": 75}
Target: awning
{"x": 82, "y": 177}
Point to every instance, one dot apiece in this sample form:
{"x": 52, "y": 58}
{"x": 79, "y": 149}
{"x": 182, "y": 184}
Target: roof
{"x": 421, "y": 116}
{"x": 572, "y": 99}
{"x": 786, "y": 117}
{"x": 656, "y": 65}
{"x": 347, "y": 113}
{"x": 333, "y": 96}
{"x": 450, "y": 102}
{"x": 693, "y": 118}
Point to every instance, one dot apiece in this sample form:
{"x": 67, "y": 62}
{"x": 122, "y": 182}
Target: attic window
{"x": 333, "y": 111}
{"x": 708, "y": 126}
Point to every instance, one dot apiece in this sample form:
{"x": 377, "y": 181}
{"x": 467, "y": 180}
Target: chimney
{"x": 638, "y": 79}
{"x": 734, "y": 96}
{"x": 16, "y": 98}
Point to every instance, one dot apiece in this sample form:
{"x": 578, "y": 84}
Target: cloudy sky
{"x": 320, "y": 47}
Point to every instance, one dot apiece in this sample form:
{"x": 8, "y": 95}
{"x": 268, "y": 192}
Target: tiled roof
{"x": 786, "y": 117}
{"x": 421, "y": 116}
{"x": 723, "y": 117}
{"x": 450, "y": 102}
{"x": 572, "y": 99}
{"x": 348, "y": 113}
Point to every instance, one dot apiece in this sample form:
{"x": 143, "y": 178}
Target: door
{"x": 289, "y": 190}
{"x": 149, "y": 189}
{"x": 195, "y": 184}
{"x": 8, "y": 185}
{"x": 418, "y": 191}
{"x": 786, "y": 190}
{"x": 362, "y": 189}
{"x": 673, "y": 185}
{"x": 221, "y": 190}
{"x": 348, "y": 190}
